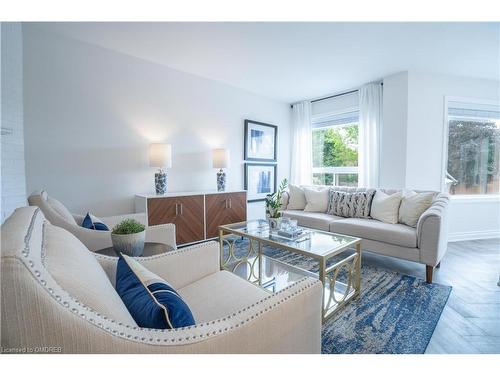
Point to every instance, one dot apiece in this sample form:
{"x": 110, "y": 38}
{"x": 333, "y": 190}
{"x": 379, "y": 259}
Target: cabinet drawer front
{"x": 224, "y": 209}
{"x": 161, "y": 210}
{"x": 238, "y": 206}
{"x": 190, "y": 219}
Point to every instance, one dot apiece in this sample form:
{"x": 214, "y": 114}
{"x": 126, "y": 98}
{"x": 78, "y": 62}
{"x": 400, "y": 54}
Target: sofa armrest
{"x": 112, "y": 221}
{"x": 93, "y": 240}
{"x": 164, "y": 233}
{"x": 180, "y": 267}
{"x": 432, "y": 231}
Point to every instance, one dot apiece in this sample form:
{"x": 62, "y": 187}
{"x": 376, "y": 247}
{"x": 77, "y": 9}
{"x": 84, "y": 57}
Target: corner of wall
{"x": 13, "y": 173}
{"x": 393, "y": 132}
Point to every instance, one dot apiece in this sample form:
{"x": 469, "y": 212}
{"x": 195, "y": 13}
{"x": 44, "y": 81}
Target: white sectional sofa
{"x": 425, "y": 244}
{"x": 58, "y": 295}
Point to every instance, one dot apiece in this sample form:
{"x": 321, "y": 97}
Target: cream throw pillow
{"x": 297, "y": 198}
{"x": 317, "y": 199}
{"x": 61, "y": 210}
{"x": 386, "y": 207}
{"x": 78, "y": 272}
{"x": 413, "y": 206}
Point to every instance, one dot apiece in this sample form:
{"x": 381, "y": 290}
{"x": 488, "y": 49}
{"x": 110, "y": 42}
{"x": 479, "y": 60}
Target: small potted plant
{"x": 273, "y": 206}
{"x": 128, "y": 237}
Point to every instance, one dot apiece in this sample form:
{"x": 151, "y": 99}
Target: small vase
{"x": 129, "y": 244}
{"x": 274, "y": 223}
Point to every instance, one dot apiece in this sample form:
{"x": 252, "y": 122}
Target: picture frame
{"x": 260, "y": 143}
{"x": 260, "y": 180}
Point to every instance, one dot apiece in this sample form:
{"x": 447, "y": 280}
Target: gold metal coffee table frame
{"x": 332, "y": 301}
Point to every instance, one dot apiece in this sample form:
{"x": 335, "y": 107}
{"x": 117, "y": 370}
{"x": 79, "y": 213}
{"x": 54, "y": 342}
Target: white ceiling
{"x": 294, "y": 61}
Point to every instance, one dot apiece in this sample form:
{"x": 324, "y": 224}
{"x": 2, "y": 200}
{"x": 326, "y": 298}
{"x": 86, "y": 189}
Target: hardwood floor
{"x": 470, "y": 322}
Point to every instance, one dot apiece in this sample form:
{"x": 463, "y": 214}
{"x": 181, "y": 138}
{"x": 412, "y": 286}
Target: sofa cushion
{"x": 413, "y": 206}
{"x": 396, "y": 234}
{"x": 316, "y": 220}
{"x": 297, "y": 198}
{"x": 152, "y": 301}
{"x": 78, "y": 272}
{"x": 317, "y": 199}
{"x": 385, "y": 207}
{"x": 220, "y": 294}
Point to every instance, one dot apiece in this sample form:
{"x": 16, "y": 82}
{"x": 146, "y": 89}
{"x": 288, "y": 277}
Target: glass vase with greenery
{"x": 273, "y": 204}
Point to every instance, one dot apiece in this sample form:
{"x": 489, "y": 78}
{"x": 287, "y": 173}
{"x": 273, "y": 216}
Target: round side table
{"x": 150, "y": 248}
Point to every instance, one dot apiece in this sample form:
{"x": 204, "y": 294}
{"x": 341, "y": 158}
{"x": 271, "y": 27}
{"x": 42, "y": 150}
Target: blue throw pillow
{"x": 151, "y": 301}
{"x": 92, "y": 222}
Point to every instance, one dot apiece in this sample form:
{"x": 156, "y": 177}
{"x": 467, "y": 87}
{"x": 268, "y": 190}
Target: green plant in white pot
{"x": 273, "y": 206}
{"x": 128, "y": 237}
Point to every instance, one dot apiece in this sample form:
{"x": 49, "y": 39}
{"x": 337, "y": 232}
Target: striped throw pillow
{"x": 345, "y": 204}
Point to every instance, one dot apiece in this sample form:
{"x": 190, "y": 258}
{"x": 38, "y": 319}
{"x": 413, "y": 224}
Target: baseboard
{"x": 474, "y": 235}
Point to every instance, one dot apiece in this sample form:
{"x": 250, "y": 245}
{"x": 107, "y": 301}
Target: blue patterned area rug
{"x": 395, "y": 314}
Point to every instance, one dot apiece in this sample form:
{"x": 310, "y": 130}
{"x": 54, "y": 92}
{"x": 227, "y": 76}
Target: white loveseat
{"x": 424, "y": 244}
{"x": 59, "y": 297}
{"x": 55, "y": 212}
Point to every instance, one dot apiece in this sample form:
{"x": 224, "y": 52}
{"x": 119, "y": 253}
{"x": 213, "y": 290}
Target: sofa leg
{"x": 429, "y": 270}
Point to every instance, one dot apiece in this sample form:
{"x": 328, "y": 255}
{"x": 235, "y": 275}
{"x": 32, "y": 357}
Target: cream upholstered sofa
{"x": 59, "y": 297}
{"x": 95, "y": 240}
{"x": 424, "y": 244}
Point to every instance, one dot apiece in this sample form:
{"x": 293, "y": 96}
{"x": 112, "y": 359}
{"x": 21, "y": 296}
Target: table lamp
{"x": 220, "y": 159}
{"x": 160, "y": 156}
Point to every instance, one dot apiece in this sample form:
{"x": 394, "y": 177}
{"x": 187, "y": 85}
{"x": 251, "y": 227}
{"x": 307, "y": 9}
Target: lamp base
{"x": 221, "y": 181}
{"x": 161, "y": 182}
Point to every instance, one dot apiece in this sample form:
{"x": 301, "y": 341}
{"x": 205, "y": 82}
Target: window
{"x": 335, "y": 149}
{"x": 472, "y": 165}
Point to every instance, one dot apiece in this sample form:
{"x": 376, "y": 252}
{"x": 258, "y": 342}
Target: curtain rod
{"x": 336, "y": 95}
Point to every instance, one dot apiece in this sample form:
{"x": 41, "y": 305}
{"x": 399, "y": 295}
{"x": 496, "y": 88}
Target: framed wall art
{"x": 260, "y": 180}
{"x": 260, "y": 141}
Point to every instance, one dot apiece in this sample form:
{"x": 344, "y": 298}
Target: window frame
{"x": 316, "y": 119}
{"x": 444, "y": 155}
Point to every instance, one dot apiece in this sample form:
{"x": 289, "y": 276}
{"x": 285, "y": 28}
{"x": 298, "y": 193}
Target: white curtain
{"x": 301, "y": 152}
{"x": 370, "y": 118}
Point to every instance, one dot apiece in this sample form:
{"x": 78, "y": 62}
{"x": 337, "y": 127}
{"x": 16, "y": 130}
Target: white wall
{"x": 424, "y": 96}
{"x": 90, "y": 114}
{"x": 474, "y": 219}
{"x": 13, "y": 181}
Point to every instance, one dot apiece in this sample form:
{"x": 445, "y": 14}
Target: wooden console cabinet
{"x": 196, "y": 215}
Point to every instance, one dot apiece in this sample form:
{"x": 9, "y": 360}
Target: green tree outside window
{"x": 335, "y": 147}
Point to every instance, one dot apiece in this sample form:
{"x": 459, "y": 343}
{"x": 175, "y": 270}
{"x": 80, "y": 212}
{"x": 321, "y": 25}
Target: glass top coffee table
{"x": 319, "y": 245}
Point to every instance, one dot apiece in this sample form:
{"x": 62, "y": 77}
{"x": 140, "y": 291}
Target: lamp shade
{"x": 220, "y": 158}
{"x": 160, "y": 155}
